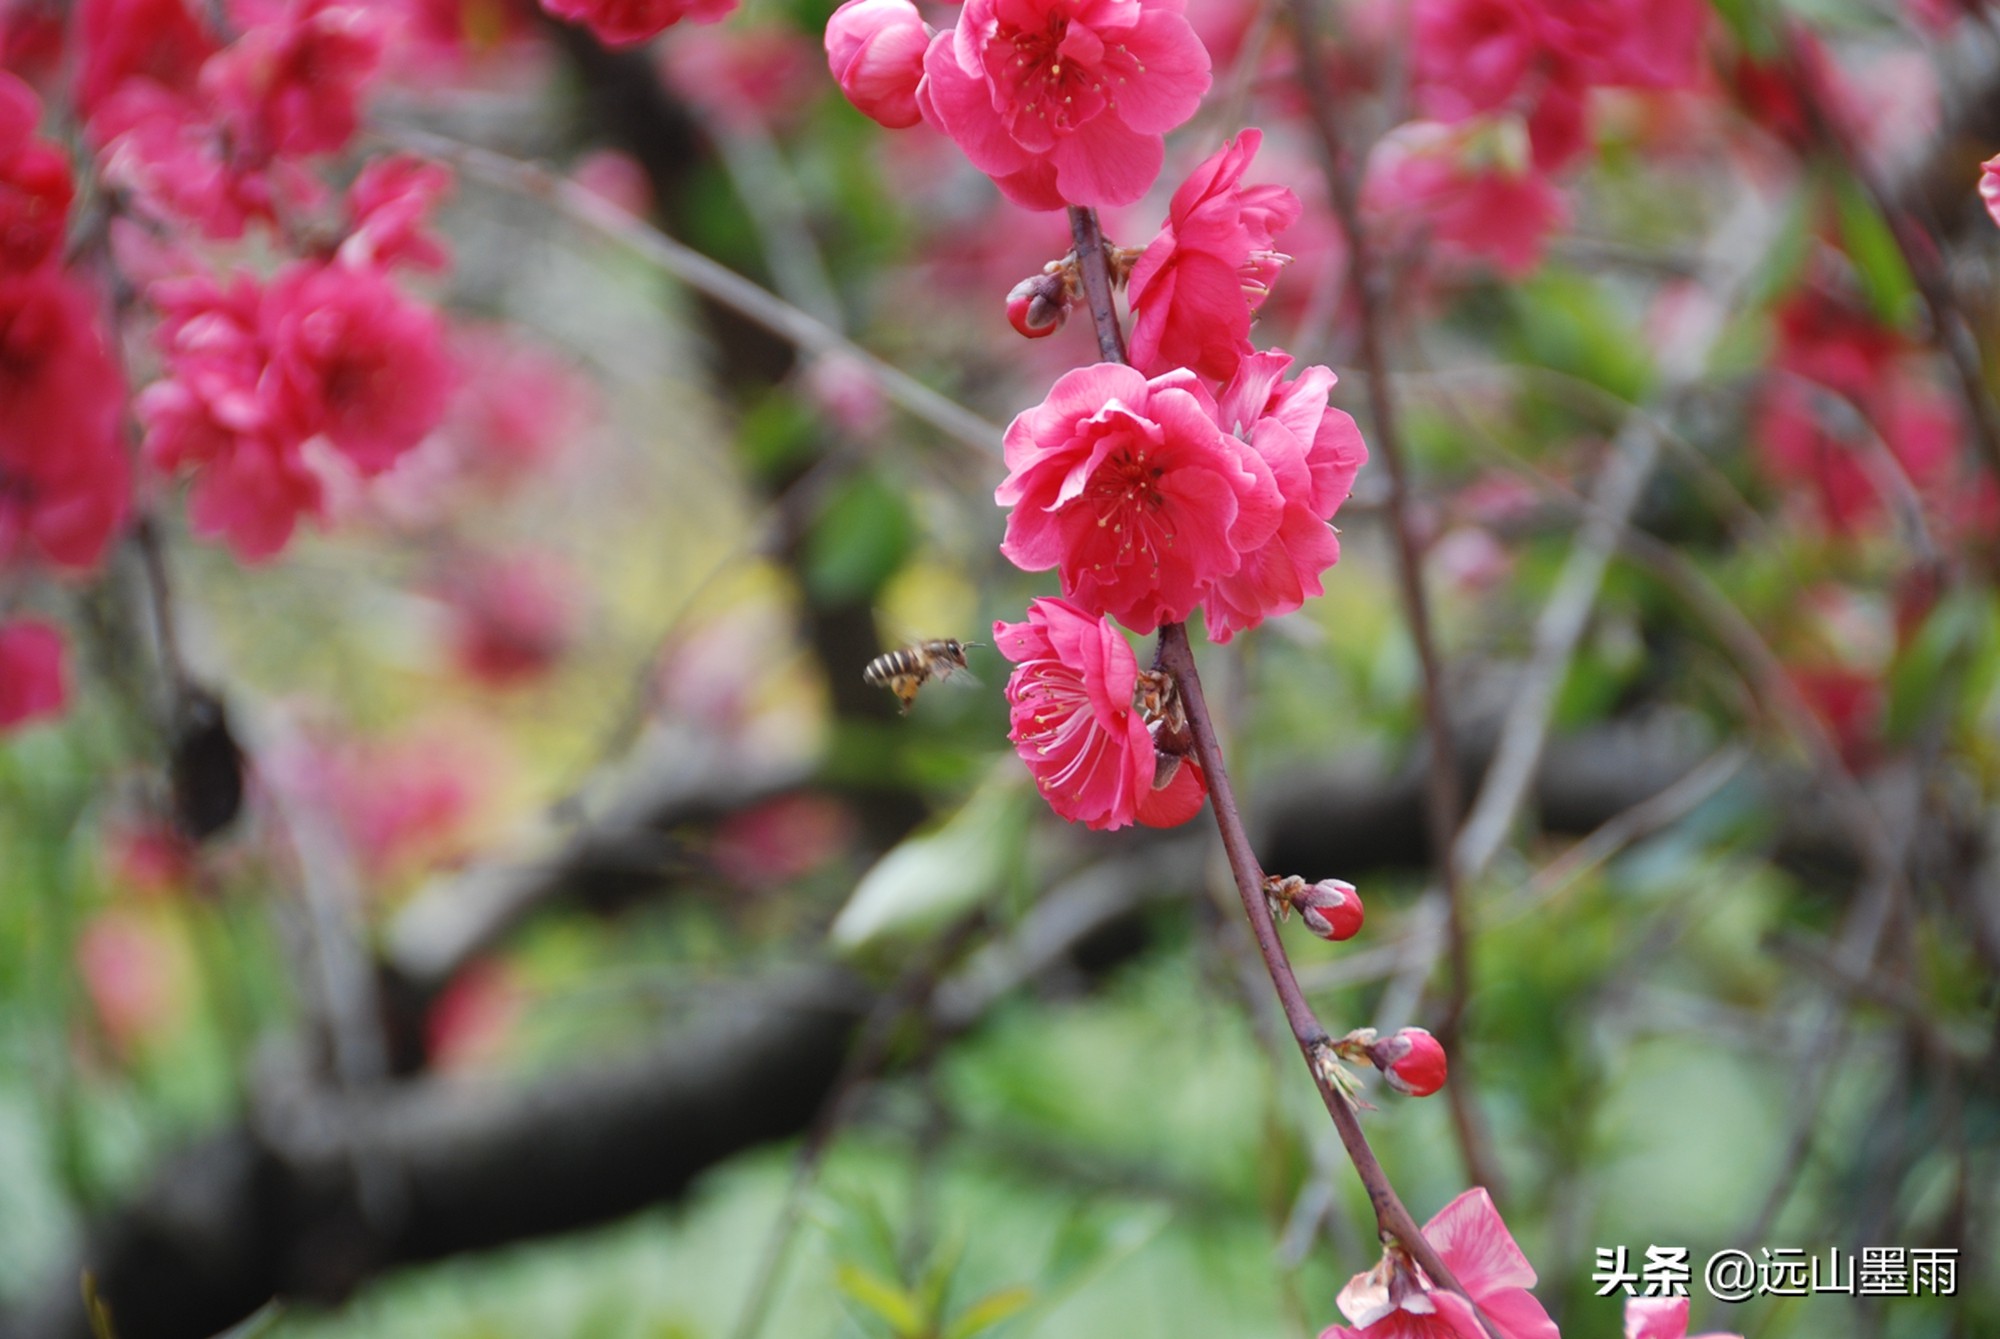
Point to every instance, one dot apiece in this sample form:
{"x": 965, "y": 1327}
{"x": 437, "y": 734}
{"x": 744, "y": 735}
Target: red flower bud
{"x": 1330, "y": 908}
{"x": 1411, "y": 1061}
{"x": 1038, "y": 305}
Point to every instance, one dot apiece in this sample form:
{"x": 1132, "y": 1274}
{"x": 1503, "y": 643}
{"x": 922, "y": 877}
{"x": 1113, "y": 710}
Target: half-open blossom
{"x": 33, "y": 681}
{"x": 1313, "y": 451}
{"x": 1129, "y": 489}
{"x": 1196, "y": 284}
{"x": 626, "y": 22}
{"x": 1396, "y": 1300}
{"x": 1075, "y": 725}
{"x": 1412, "y": 1062}
{"x": 875, "y": 49}
{"x": 1065, "y": 102}
{"x": 1661, "y": 1318}
{"x": 65, "y": 484}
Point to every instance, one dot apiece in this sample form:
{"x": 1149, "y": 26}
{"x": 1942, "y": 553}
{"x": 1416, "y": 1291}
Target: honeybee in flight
{"x": 905, "y": 670}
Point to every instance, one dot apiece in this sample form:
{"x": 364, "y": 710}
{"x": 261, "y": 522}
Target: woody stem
{"x": 1392, "y": 1219}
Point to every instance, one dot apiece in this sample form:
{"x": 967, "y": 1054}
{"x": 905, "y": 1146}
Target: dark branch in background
{"x": 1369, "y": 282}
{"x": 271, "y": 1207}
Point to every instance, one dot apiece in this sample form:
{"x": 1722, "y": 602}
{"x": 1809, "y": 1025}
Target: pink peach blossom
{"x": 875, "y": 49}
{"x": 34, "y": 684}
{"x": 159, "y": 41}
{"x": 512, "y": 618}
{"x": 1313, "y": 452}
{"x": 1129, "y": 489}
{"x": 1989, "y": 186}
{"x": 65, "y": 484}
{"x": 1412, "y": 1062}
{"x": 291, "y": 83}
{"x": 1074, "y": 723}
{"x": 1196, "y": 284}
{"x": 1065, "y": 102}
{"x": 1397, "y": 1301}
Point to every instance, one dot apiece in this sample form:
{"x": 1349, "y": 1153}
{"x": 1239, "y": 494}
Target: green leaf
{"x": 989, "y": 1311}
{"x": 862, "y": 536}
{"x": 936, "y": 876}
{"x": 1871, "y": 245}
{"x": 881, "y": 1297}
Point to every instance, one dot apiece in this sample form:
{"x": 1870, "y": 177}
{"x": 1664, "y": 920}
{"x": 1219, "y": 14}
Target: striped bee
{"x": 905, "y": 670}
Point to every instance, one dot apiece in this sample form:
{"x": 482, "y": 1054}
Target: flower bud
{"x": 1039, "y": 304}
{"x": 875, "y": 49}
{"x": 1411, "y": 1062}
{"x": 1330, "y": 908}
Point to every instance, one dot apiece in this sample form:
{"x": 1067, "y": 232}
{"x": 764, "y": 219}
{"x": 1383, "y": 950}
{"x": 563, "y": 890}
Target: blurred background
{"x": 590, "y": 952}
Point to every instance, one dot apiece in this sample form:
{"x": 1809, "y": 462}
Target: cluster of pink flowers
{"x": 1505, "y": 86}
{"x": 1061, "y": 102}
{"x": 65, "y": 484}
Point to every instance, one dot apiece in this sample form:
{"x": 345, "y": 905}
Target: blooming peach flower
{"x": 1128, "y": 488}
{"x": 1661, "y": 1318}
{"x": 33, "y": 682}
{"x": 1065, "y": 102}
{"x": 875, "y": 48}
{"x": 1074, "y": 724}
{"x": 1196, "y": 284}
{"x": 1313, "y": 452}
{"x": 626, "y": 22}
{"x": 1397, "y": 1301}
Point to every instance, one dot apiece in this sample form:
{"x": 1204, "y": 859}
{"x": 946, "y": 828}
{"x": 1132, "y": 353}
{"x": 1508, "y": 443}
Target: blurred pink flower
{"x": 160, "y": 41}
{"x": 133, "y": 976}
{"x": 782, "y": 839}
{"x": 469, "y": 1022}
{"x": 61, "y": 396}
{"x": 512, "y": 617}
{"x": 615, "y": 176}
{"x": 1396, "y": 1300}
{"x": 391, "y": 203}
{"x": 1129, "y": 489}
{"x": 1196, "y": 284}
{"x": 35, "y": 186}
{"x": 744, "y": 73}
{"x": 1065, "y": 102}
{"x": 1455, "y": 186}
{"x": 34, "y": 684}
{"x": 619, "y": 23}
{"x": 291, "y": 82}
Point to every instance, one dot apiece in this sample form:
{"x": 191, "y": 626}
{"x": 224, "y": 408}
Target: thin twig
{"x": 1311, "y": 1037}
{"x": 705, "y": 276}
{"x": 1370, "y": 284}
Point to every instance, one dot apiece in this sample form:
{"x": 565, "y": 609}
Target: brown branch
{"x": 1370, "y": 282}
{"x": 1391, "y": 1217}
{"x": 1096, "y": 269}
